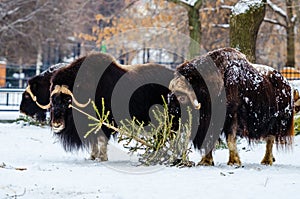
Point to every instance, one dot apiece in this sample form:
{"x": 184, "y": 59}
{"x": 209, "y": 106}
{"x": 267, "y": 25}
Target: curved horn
{"x": 28, "y": 90}
{"x": 180, "y": 84}
{"x": 33, "y": 97}
{"x": 43, "y": 106}
{"x": 64, "y": 89}
{"x": 194, "y": 101}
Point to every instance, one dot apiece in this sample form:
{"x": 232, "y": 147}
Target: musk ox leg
{"x": 234, "y": 158}
{"x": 95, "y": 151}
{"x": 269, "y": 158}
{"x": 207, "y": 160}
{"x": 99, "y": 149}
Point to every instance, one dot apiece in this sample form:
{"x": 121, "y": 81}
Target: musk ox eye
{"x": 27, "y": 96}
{"x": 182, "y": 99}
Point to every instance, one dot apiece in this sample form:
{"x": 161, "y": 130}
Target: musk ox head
{"x": 61, "y": 112}
{"x": 183, "y": 91}
{"x": 62, "y": 122}
{"x": 35, "y": 99}
{"x": 37, "y": 93}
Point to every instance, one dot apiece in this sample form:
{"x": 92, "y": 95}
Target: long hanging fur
{"x": 261, "y": 101}
{"x": 141, "y": 101}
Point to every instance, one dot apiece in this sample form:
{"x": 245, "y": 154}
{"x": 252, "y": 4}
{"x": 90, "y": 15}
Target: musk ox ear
{"x": 33, "y": 83}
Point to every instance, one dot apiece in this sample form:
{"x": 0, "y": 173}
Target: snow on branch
{"x": 277, "y": 9}
{"x": 190, "y": 2}
{"x": 225, "y": 26}
{"x": 215, "y": 9}
{"x": 275, "y": 22}
{"x": 244, "y": 5}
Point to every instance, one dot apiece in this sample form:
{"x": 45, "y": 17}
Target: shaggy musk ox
{"x": 96, "y": 76}
{"x": 37, "y": 94}
{"x": 259, "y": 102}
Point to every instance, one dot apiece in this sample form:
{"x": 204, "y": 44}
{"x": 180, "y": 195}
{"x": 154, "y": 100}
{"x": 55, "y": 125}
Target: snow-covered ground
{"x": 52, "y": 173}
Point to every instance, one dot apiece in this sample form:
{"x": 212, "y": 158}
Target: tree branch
{"x": 216, "y": 8}
{"x": 225, "y": 26}
{"x": 181, "y": 3}
{"x": 272, "y": 21}
{"x": 24, "y": 19}
{"x": 277, "y": 9}
{"x": 198, "y": 4}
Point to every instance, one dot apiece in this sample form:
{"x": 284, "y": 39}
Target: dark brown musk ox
{"x": 131, "y": 89}
{"x": 37, "y": 94}
{"x": 260, "y": 102}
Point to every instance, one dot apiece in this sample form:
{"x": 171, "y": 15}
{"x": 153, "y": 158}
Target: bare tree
{"x": 286, "y": 19}
{"x": 24, "y": 24}
{"x": 29, "y": 28}
{"x": 194, "y": 22}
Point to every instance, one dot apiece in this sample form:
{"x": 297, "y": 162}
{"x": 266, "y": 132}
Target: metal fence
{"x": 10, "y": 99}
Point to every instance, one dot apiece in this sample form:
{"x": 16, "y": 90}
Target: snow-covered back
{"x": 52, "y": 173}
{"x": 244, "y": 5}
{"x": 264, "y": 69}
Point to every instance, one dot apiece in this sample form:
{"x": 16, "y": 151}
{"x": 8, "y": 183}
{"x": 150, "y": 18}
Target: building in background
{"x": 2, "y": 72}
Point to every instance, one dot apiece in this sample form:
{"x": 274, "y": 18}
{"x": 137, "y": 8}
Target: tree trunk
{"x": 194, "y": 25}
{"x": 39, "y": 62}
{"x": 195, "y": 31}
{"x": 20, "y": 72}
{"x": 244, "y": 27}
{"x": 290, "y": 32}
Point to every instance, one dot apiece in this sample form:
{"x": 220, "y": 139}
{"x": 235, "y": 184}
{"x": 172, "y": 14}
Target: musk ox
{"x": 259, "y": 102}
{"x": 37, "y": 94}
{"x": 97, "y": 76}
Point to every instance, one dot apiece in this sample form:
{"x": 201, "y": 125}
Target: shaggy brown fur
{"x": 88, "y": 81}
{"x": 259, "y": 103}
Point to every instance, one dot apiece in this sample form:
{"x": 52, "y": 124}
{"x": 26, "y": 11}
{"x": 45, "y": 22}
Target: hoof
{"x": 206, "y": 162}
{"x": 234, "y": 162}
{"x": 98, "y": 159}
{"x": 92, "y": 157}
{"x": 101, "y": 159}
{"x": 268, "y": 161}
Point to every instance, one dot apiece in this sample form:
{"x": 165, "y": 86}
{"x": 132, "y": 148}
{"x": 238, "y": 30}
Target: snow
{"x": 189, "y": 2}
{"x": 263, "y": 69}
{"x": 295, "y": 84}
{"x": 9, "y": 115}
{"x": 221, "y": 25}
{"x": 52, "y": 173}
{"x": 244, "y": 5}
{"x": 276, "y": 8}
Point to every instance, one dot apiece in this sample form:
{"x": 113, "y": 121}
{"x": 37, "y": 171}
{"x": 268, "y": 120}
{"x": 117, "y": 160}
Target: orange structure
{"x": 2, "y": 73}
{"x": 290, "y": 73}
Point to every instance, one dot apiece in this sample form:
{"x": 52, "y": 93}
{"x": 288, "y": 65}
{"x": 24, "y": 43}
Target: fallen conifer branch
{"x": 159, "y": 145}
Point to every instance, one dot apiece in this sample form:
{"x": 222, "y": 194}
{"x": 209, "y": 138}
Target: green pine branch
{"x": 159, "y": 145}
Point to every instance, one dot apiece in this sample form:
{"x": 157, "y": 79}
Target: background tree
{"x": 245, "y": 22}
{"x": 194, "y": 23}
{"x": 287, "y": 19}
{"x": 31, "y": 28}
{"x": 158, "y": 14}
